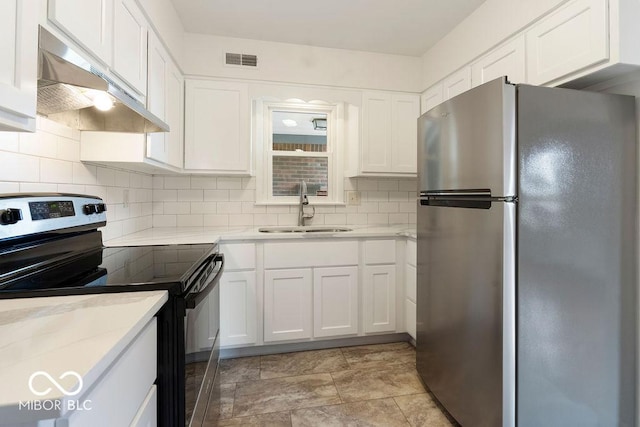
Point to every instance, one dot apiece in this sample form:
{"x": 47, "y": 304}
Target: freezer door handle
{"x": 472, "y": 199}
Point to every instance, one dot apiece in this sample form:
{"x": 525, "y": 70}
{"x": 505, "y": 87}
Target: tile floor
{"x": 374, "y": 385}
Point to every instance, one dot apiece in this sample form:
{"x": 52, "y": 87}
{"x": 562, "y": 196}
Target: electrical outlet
{"x": 125, "y": 198}
{"x": 353, "y": 197}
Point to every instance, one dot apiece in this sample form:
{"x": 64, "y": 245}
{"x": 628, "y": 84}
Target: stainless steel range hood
{"x": 69, "y": 87}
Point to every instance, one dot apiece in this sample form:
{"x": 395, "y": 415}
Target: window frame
{"x": 265, "y": 153}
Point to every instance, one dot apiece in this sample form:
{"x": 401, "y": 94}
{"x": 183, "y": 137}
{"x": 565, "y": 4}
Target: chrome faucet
{"x": 304, "y": 201}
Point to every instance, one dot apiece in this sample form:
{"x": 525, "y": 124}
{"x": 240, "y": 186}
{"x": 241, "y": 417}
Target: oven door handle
{"x": 192, "y": 299}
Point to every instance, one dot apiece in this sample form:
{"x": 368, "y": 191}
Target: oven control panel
{"x": 27, "y": 214}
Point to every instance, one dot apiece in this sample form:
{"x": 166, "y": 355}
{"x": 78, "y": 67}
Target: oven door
{"x": 202, "y": 327}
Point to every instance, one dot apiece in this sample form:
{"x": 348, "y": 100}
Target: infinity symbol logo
{"x": 55, "y": 383}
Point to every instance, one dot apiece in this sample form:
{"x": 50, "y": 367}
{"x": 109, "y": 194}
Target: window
{"x": 298, "y": 142}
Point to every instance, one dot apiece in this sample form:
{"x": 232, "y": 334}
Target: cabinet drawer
{"x": 239, "y": 256}
{"x": 380, "y": 252}
{"x": 310, "y": 254}
{"x": 122, "y": 390}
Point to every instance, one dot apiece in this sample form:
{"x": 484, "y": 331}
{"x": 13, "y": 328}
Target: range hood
{"x": 70, "y": 90}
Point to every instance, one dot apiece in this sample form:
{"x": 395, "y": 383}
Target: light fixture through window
{"x": 289, "y": 123}
{"x": 319, "y": 124}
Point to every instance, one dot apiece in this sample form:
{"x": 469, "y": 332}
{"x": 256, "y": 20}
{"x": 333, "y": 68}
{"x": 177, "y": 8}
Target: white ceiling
{"x": 404, "y": 27}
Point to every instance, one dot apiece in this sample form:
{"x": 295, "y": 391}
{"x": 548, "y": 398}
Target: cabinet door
{"x": 507, "y": 60}
{"x": 431, "y": 98}
{"x": 335, "y": 301}
{"x": 175, "y": 116}
{"x": 157, "y": 97}
{"x": 130, "y": 44}
{"x": 238, "y": 308}
{"x": 217, "y": 127}
{"x": 287, "y": 304}
{"x": 376, "y": 132}
{"x": 18, "y": 67}
{"x": 573, "y": 37}
{"x": 456, "y": 83}
{"x": 404, "y": 115}
{"x": 379, "y": 298}
{"x": 88, "y": 22}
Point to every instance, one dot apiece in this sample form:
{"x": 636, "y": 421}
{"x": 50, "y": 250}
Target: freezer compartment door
{"x": 465, "y": 352}
{"x": 468, "y": 142}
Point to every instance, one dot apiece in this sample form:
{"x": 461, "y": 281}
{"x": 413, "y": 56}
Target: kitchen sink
{"x": 298, "y": 229}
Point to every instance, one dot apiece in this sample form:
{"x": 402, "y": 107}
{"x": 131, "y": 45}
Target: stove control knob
{"x": 101, "y": 207}
{"x": 10, "y": 216}
{"x": 89, "y": 209}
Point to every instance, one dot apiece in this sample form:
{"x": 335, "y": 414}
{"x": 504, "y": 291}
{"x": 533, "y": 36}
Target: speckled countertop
{"x": 196, "y": 235}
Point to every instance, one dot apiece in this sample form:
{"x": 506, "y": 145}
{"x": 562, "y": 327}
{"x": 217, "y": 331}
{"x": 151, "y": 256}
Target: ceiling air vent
{"x": 241, "y": 59}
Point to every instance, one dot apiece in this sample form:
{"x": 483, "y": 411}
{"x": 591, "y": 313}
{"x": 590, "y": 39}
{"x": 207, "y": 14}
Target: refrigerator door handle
{"x": 462, "y": 199}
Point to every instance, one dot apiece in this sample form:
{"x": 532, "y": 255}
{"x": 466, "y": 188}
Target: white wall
{"x": 290, "y": 63}
{"x": 186, "y": 201}
{"x": 487, "y": 26}
{"x": 49, "y": 161}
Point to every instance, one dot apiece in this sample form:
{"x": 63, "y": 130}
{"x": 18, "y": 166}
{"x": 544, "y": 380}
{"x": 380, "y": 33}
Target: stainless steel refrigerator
{"x": 527, "y": 228}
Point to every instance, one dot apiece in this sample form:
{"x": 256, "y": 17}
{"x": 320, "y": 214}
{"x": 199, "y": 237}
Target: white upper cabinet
{"x": 165, "y": 97}
{"x": 506, "y": 60}
{"x": 569, "y": 39}
{"x": 130, "y": 44}
{"x": 431, "y": 97}
{"x": 89, "y": 22}
{"x": 217, "y": 127}
{"x": 389, "y": 129}
{"x": 18, "y": 67}
{"x": 456, "y": 83}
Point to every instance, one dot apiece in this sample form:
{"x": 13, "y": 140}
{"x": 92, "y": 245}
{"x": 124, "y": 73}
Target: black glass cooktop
{"x": 157, "y": 267}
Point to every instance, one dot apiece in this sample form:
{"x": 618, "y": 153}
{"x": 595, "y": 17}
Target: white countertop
{"x": 197, "y": 235}
{"x": 80, "y": 333}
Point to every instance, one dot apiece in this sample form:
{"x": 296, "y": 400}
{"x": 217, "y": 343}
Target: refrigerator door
{"x": 577, "y": 258}
{"x": 465, "y": 355}
{"x": 468, "y": 142}
{"x": 466, "y": 258}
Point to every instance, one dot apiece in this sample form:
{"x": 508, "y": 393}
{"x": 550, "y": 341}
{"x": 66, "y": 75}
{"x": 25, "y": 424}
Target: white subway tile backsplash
{"x": 367, "y": 184}
{"x": 241, "y": 219}
{"x": 216, "y": 220}
{"x": 178, "y": 208}
{"x": 190, "y": 195}
{"x": 357, "y": 219}
{"x": 398, "y": 196}
{"x": 252, "y": 208}
{"x": 19, "y": 167}
{"x": 368, "y": 207}
{"x": 229, "y": 207}
{"x": 287, "y": 219}
{"x": 229, "y": 183}
{"x": 53, "y": 165}
{"x": 9, "y": 141}
{"x": 242, "y": 195}
{"x": 203, "y": 182}
{"x": 387, "y": 185}
{"x": 9, "y": 187}
{"x": 203, "y": 207}
{"x": 177, "y": 182}
{"x": 165, "y": 221}
{"x": 410, "y": 185}
{"x": 38, "y": 187}
{"x": 158, "y": 182}
{"x": 407, "y": 207}
{"x": 265, "y": 219}
{"x": 157, "y": 208}
{"x": 216, "y": 195}
{"x": 398, "y": 218}
{"x": 375, "y": 196}
{"x": 52, "y": 170}
{"x": 278, "y": 209}
{"x": 335, "y": 219}
{"x": 249, "y": 183}
{"x": 388, "y": 207}
{"x": 190, "y": 220}
{"x": 39, "y": 144}
{"x": 84, "y": 174}
{"x": 379, "y": 218}
{"x": 165, "y": 195}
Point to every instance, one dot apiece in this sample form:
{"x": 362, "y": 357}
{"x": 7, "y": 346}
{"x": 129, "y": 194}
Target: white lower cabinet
{"x": 379, "y": 298}
{"x": 335, "y": 301}
{"x": 147, "y": 415}
{"x": 125, "y": 393}
{"x": 287, "y": 304}
{"x": 410, "y": 288}
{"x": 238, "y": 310}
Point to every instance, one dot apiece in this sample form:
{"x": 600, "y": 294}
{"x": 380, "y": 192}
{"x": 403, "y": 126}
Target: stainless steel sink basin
{"x": 311, "y": 229}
